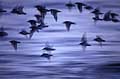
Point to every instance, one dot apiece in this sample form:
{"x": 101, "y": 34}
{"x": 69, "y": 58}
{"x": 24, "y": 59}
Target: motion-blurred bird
{"x": 87, "y": 7}
{"x": 55, "y": 12}
{"x": 14, "y": 43}
{"x": 24, "y": 32}
{"x": 70, "y": 5}
{"x": 46, "y": 55}
{"x": 68, "y": 24}
{"x": 2, "y": 32}
{"x": 107, "y": 16}
{"x": 39, "y": 19}
{"x": 84, "y": 42}
{"x": 48, "y": 48}
{"x": 42, "y": 9}
{"x": 99, "y": 40}
{"x": 32, "y": 22}
{"x": 18, "y": 10}
{"x": 80, "y": 6}
{"x": 42, "y": 26}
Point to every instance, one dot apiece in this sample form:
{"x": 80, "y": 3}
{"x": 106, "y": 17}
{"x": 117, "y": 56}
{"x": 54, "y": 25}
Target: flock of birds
{"x": 39, "y": 24}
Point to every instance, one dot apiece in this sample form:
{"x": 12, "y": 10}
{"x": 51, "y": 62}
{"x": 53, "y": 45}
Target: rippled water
{"x": 69, "y": 61}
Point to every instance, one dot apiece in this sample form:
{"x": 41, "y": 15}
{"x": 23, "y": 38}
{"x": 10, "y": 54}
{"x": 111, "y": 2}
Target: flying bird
{"x": 107, "y": 16}
{"x": 68, "y": 24}
{"x": 32, "y": 22}
{"x": 24, "y": 32}
{"x": 80, "y": 6}
{"x": 14, "y": 43}
{"x": 70, "y": 5}
{"x": 84, "y": 43}
{"x": 39, "y": 19}
{"x": 48, "y": 48}
{"x": 99, "y": 40}
{"x": 18, "y": 10}
{"x": 46, "y": 55}
{"x": 55, "y": 12}
{"x": 87, "y": 7}
{"x": 2, "y": 32}
{"x": 42, "y": 9}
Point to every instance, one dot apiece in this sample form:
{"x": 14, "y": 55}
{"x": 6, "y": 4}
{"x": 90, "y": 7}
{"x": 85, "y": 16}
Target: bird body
{"x": 68, "y": 24}
{"x": 2, "y": 32}
{"x": 14, "y": 43}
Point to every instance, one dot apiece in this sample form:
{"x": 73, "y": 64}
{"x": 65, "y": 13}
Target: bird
{"x": 97, "y": 12}
{"x": 87, "y": 7}
{"x": 24, "y": 32}
{"x": 70, "y": 5}
{"x": 80, "y": 6}
{"x": 48, "y": 48}
{"x": 84, "y": 43}
{"x": 18, "y": 10}
{"x": 14, "y": 43}
{"x": 2, "y": 32}
{"x": 46, "y": 55}
{"x": 42, "y": 26}
{"x": 96, "y": 18}
{"x": 99, "y": 40}
{"x": 39, "y": 19}
{"x": 32, "y": 22}
{"x": 68, "y": 24}
{"x": 107, "y": 16}
{"x": 33, "y": 29}
{"x": 42, "y": 9}
{"x": 55, "y": 12}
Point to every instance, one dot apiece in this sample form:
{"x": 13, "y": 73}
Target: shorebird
{"x": 84, "y": 42}
{"x": 68, "y": 24}
{"x": 2, "y": 32}
{"x": 39, "y": 19}
{"x": 24, "y": 32}
{"x": 99, "y": 40}
{"x": 80, "y": 6}
{"x": 70, "y": 5}
{"x": 48, "y": 48}
{"x": 18, "y": 10}
{"x": 54, "y": 12}
{"x": 42, "y": 9}
{"x": 14, "y": 43}
{"x": 42, "y": 26}
{"x": 32, "y": 22}
{"x": 87, "y": 7}
{"x": 107, "y": 16}
{"x": 46, "y": 55}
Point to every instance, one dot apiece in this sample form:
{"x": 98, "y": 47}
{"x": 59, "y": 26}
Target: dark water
{"x": 68, "y": 61}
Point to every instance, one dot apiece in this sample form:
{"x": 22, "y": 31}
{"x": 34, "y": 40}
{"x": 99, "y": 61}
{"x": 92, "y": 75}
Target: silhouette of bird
{"x": 42, "y": 9}
{"x": 96, "y": 18}
{"x": 70, "y": 5}
{"x": 99, "y": 40}
{"x": 48, "y": 48}
{"x": 114, "y": 15}
{"x": 84, "y": 42}
{"x": 14, "y": 43}
{"x": 54, "y": 12}
{"x": 18, "y": 10}
{"x": 80, "y": 6}
{"x": 42, "y": 26}
{"x": 46, "y": 55}
{"x": 32, "y": 22}
{"x": 68, "y": 24}
{"x": 24, "y": 32}
{"x": 97, "y": 13}
{"x": 87, "y": 7}
{"x": 107, "y": 16}
{"x": 39, "y": 19}
{"x": 33, "y": 29}
{"x": 2, "y": 32}
{"x": 115, "y": 20}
